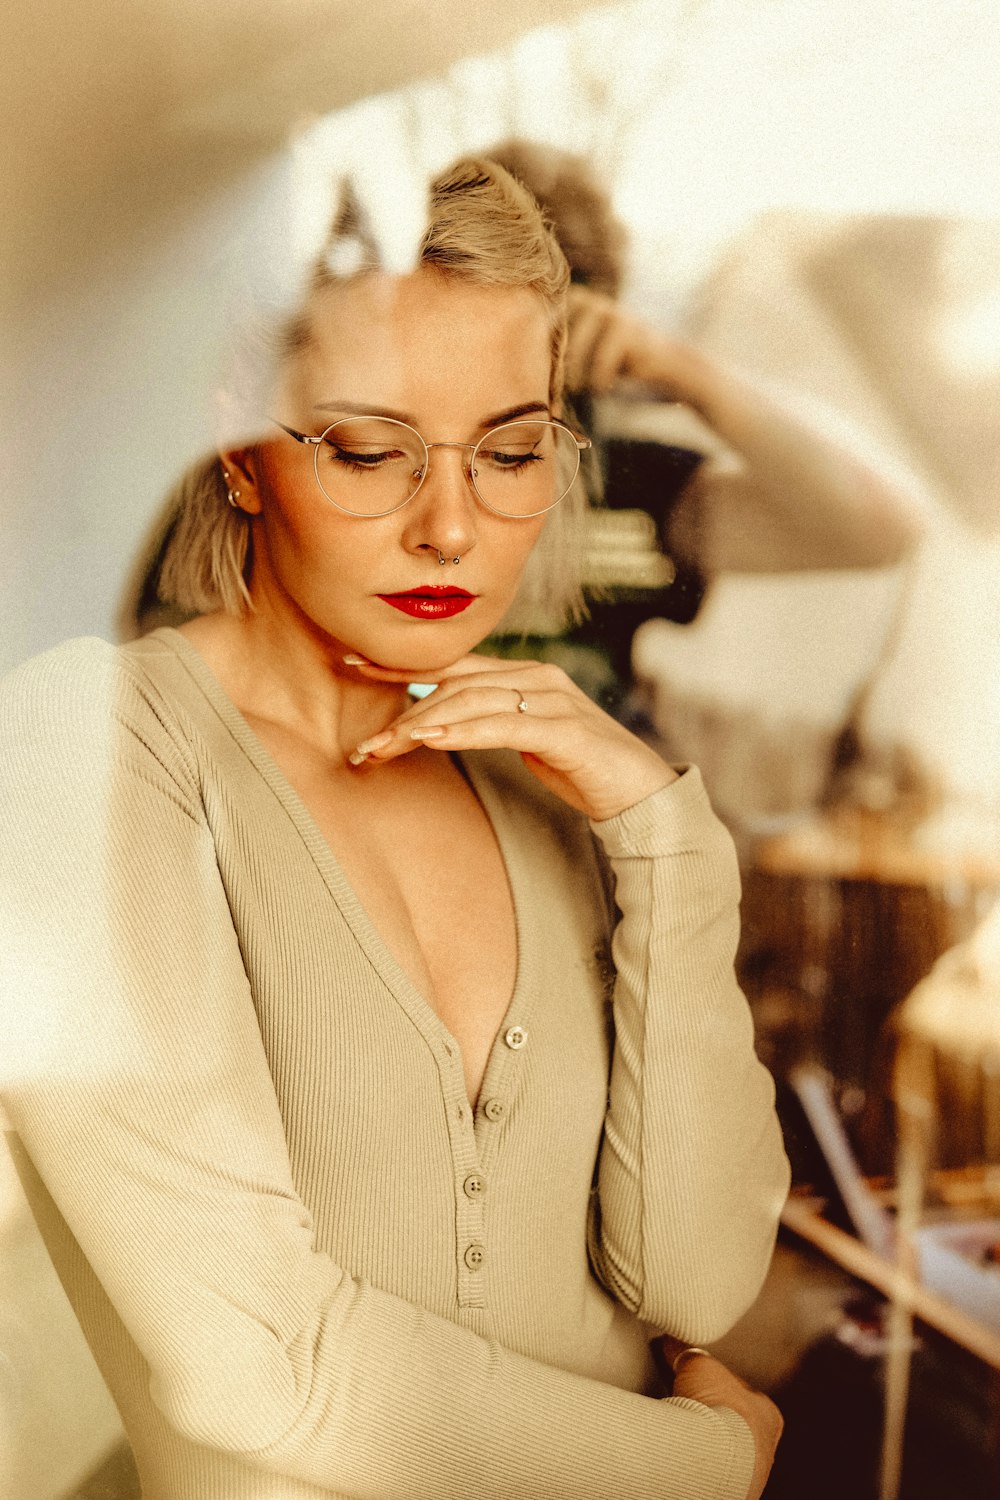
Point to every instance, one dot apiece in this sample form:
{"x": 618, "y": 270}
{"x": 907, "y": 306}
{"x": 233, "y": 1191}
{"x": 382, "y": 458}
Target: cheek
{"x": 512, "y": 555}
{"x": 315, "y": 552}
{"x": 285, "y": 498}
{"x": 295, "y": 516}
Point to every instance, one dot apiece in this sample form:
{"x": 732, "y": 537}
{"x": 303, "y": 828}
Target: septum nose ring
{"x": 442, "y": 559}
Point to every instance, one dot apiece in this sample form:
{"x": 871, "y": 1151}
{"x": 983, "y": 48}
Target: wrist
{"x": 617, "y": 802}
{"x": 679, "y": 372}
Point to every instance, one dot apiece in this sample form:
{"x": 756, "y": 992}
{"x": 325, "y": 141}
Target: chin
{"x": 425, "y": 647}
{"x": 428, "y": 661}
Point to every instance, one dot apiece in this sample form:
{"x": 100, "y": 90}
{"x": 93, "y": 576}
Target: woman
{"x": 321, "y": 1115}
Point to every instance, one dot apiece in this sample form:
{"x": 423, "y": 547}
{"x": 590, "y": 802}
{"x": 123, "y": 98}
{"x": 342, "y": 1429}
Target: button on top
{"x": 474, "y": 1256}
{"x": 516, "y": 1038}
{"x": 474, "y": 1185}
{"x": 494, "y": 1109}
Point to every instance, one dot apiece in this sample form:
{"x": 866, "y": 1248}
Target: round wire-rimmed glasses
{"x": 372, "y": 466}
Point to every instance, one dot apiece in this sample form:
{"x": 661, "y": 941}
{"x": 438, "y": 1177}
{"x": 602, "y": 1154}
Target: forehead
{"x": 425, "y": 341}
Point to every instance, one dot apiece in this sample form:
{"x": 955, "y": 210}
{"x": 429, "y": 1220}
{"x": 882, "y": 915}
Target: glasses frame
{"x": 582, "y": 444}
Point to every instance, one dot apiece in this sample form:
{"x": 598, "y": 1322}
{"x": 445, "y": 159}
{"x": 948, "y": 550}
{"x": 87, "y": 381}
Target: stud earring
{"x": 231, "y": 495}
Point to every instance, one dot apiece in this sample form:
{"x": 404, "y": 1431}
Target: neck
{"x": 296, "y": 680}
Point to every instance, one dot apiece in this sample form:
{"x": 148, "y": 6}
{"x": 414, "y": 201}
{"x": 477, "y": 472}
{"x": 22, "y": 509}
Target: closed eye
{"x": 358, "y": 460}
{"x": 512, "y": 462}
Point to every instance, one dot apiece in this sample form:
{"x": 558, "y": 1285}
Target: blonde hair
{"x": 485, "y": 227}
{"x": 593, "y": 239}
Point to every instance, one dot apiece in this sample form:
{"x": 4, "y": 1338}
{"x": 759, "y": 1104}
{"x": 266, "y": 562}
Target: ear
{"x": 239, "y": 473}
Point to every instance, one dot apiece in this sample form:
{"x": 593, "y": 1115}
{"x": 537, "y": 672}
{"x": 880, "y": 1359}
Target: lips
{"x": 431, "y": 602}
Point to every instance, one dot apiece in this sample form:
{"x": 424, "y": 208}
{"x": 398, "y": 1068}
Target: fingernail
{"x": 355, "y": 661}
{"x": 377, "y": 742}
{"x": 426, "y": 734}
{"x": 356, "y": 758}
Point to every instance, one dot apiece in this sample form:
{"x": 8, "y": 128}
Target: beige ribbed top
{"x": 305, "y": 1265}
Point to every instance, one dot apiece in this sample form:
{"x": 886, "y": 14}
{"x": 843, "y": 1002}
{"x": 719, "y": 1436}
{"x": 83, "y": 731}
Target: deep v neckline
{"x": 501, "y": 820}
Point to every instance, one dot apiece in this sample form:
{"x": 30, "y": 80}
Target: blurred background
{"x": 810, "y": 197}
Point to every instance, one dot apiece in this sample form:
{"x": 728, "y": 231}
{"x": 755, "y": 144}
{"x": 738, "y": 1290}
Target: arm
{"x": 692, "y": 1172}
{"x": 142, "y": 1093}
{"x": 799, "y": 496}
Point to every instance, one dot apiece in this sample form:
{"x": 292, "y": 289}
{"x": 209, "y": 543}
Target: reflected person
{"x": 780, "y": 488}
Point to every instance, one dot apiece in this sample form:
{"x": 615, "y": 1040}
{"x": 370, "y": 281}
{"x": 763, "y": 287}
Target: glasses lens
{"x": 524, "y": 468}
{"x": 369, "y": 465}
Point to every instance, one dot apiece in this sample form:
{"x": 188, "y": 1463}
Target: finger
{"x": 492, "y": 732}
{"x": 446, "y": 722}
{"x": 381, "y": 750}
{"x": 374, "y": 672}
{"x": 666, "y": 1349}
{"x": 586, "y": 318}
{"x": 465, "y": 665}
{"x": 585, "y": 302}
{"x": 542, "y": 686}
{"x": 585, "y": 339}
{"x": 508, "y": 689}
{"x": 548, "y": 740}
{"x": 611, "y": 358}
{"x": 449, "y": 703}
{"x": 704, "y": 1378}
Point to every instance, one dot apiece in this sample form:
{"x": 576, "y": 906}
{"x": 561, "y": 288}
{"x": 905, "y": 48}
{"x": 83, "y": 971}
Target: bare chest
{"x": 423, "y": 860}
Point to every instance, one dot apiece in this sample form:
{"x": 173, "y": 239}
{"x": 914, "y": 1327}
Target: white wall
{"x": 115, "y": 366}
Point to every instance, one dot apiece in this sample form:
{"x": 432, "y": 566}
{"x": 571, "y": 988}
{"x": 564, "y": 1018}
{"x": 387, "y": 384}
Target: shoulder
{"x": 72, "y": 673}
{"x": 86, "y": 656}
{"x": 83, "y": 705}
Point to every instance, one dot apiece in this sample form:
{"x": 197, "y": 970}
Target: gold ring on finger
{"x": 685, "y": 1354}
{"x": 522, "y": 702}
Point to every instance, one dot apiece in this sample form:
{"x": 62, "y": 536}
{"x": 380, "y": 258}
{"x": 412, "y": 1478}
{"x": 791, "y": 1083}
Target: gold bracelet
{"x": 683, "y": 1354}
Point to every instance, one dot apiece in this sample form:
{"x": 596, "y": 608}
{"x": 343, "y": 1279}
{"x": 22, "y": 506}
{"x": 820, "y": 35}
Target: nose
{"x": 442, "y": 519}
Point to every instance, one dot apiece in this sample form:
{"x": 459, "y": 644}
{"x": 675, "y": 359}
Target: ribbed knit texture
{"x": 248, "y": 1144}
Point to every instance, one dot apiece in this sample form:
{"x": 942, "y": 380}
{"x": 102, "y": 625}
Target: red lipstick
{"x": 430, "y": 601}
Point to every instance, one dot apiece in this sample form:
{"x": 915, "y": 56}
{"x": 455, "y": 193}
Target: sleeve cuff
{"x": 674, "y": 819}
{"x": 744, "y": 1452}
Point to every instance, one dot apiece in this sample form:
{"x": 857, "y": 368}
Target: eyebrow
{"x": 510, "y": 414}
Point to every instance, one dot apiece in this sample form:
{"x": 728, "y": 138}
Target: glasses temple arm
{"x": 300, "y": 437}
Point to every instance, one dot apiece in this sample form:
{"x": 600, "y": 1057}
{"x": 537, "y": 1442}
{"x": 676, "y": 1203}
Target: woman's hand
{"x": 702, "y": 1378}
{"x": 830, "y": 499}
{"x": 606, "y": 344}
{"x": 486, "y": 703}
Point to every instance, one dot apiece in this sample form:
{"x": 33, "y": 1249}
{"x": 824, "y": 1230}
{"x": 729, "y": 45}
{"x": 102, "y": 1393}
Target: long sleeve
{"x": 135, "y": 1075}
{"x": 692, "y": 1171}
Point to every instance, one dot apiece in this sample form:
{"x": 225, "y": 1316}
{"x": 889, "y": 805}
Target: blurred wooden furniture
{"x": 843, "y": 914}
{"x": 909, "y": 1301}
{"x": 945, "y": 1061}
{"x": 803, "y": 1215}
